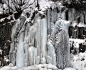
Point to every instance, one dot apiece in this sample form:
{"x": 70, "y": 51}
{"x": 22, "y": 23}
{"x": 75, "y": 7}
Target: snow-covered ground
{"x": 33, "y": 67}
{"x": 79, "y": 61}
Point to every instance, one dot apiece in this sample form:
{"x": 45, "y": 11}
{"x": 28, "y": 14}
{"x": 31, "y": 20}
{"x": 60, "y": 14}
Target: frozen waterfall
{"x": 33, "y": 45}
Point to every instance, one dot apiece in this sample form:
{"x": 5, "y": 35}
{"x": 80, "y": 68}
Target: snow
{"x": 5, "y": 6}
{"x": 74, "y": 23}
{"x": 2, "y": 19}
{"x": 1, "y": 51}
{"x": 84, "y": 42}
{"x": 33, "y": 67}
{"x": 79, "y": 61}
{"x": 45, "y": 4}
{"x": 7, "y": 60}
{"x": 81, "y": 25}
{"x": 77, "y": 40}
{"x": 69, "y": 69}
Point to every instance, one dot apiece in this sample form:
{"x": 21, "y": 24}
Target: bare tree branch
{"x": 28, "y": 5}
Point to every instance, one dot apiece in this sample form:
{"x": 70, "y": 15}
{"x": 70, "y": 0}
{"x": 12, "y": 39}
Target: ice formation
{"x": 62, "y": 43}
{"x": 51, "y": 58}
{"x": 20, "y": 52}
{"x": 31, "y": 46}
{"x": 31, "y": 42}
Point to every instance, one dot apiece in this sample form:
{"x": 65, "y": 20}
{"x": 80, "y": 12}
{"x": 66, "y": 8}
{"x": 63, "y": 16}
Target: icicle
{"x": 69, "y": 15}
{"x": 73, "y": 14}
{"x": 63, "y": 15}
{"x": 85, "y": 17}
{"x": 49, "y": 21}
{"x": 52, "y": 15}
{"x": 26, "y": 54}
{"x": 82, "y": 17}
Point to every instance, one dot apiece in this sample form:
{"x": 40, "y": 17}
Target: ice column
{"x": 73, "y": 14}
{"x": 32, "y": 55}
{"x": 38, "y": 38}
{"x": 82, "y": 17}
{"x": 20, "y": 52}
{"x": 63, "y": 15}
{"x": 43, "y": 39}
{"x": 51, "y": 58}
{"x": 69, "y": 15}
{"x": 26, "y": 46}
